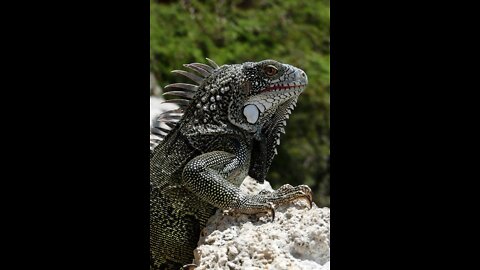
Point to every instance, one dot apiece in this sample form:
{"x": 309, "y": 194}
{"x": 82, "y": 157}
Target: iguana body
{"x": 226, "y": 128}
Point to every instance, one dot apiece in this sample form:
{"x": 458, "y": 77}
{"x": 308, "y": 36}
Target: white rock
{"x": 298, "y": 238}
{"x": 156, "y": 107}
{"x": 154, "y": 88}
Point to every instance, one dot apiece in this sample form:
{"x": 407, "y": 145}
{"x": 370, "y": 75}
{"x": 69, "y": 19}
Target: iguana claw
{"x": 308, "y": 194}
{"x": 272, "y": 210}
{"x": 190, "y": 266}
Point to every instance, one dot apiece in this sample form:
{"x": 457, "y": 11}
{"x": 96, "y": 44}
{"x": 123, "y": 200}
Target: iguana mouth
{"x": 284, "y": 87}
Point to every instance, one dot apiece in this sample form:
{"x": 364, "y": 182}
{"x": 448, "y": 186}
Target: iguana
{"x": 226, "y": 127}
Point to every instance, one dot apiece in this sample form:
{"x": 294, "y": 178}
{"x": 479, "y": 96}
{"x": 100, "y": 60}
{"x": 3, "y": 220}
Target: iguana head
{"x": 254, "y": 97}
{"x": 261, "y": 90}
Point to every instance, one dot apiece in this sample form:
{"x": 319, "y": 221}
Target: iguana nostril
{"x": 304, "y": 76}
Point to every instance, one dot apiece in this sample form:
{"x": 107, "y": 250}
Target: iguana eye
{"x": 270, "y": 70}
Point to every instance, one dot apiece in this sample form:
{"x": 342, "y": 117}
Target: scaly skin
{"x": 226, "y": 128}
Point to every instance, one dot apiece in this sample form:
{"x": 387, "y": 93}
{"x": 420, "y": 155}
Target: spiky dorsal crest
{"x": 167, "y": 120}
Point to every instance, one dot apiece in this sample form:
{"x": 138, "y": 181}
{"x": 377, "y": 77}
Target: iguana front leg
{"x": 207, "y": 176}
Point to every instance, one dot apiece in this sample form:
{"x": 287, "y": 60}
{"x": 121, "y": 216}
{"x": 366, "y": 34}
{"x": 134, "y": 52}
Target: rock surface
{"x": 155, "y": 90}
{"x": 298, "y": 238}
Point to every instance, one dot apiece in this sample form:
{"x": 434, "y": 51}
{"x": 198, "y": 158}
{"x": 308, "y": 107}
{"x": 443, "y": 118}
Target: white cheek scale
{"x": 251, "y": 113}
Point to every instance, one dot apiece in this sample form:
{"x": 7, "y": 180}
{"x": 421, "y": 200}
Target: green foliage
{"x": 229, "y": 32}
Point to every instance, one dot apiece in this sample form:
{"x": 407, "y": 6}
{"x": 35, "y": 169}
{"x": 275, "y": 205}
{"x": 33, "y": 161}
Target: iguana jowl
{"x": 226, "y": 127}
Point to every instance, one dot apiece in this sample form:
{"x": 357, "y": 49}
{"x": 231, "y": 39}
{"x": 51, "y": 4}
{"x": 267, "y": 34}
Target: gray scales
{"x": 227, "y": 126}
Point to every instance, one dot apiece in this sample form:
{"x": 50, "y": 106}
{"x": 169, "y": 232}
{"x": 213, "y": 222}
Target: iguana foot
{"x": 287, "y": 193}
{"x": 265, "y": 201}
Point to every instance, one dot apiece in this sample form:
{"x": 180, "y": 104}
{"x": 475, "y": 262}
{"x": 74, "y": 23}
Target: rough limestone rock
{"x": 156, "y": 107}
{"x": 155, "y": 90}
{"x": 298, "y": 238}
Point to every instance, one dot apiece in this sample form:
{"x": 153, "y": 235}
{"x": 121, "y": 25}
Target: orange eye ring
{"x": 270, "y": 70}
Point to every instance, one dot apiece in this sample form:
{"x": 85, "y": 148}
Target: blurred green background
{"x": 231, "y": 32}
